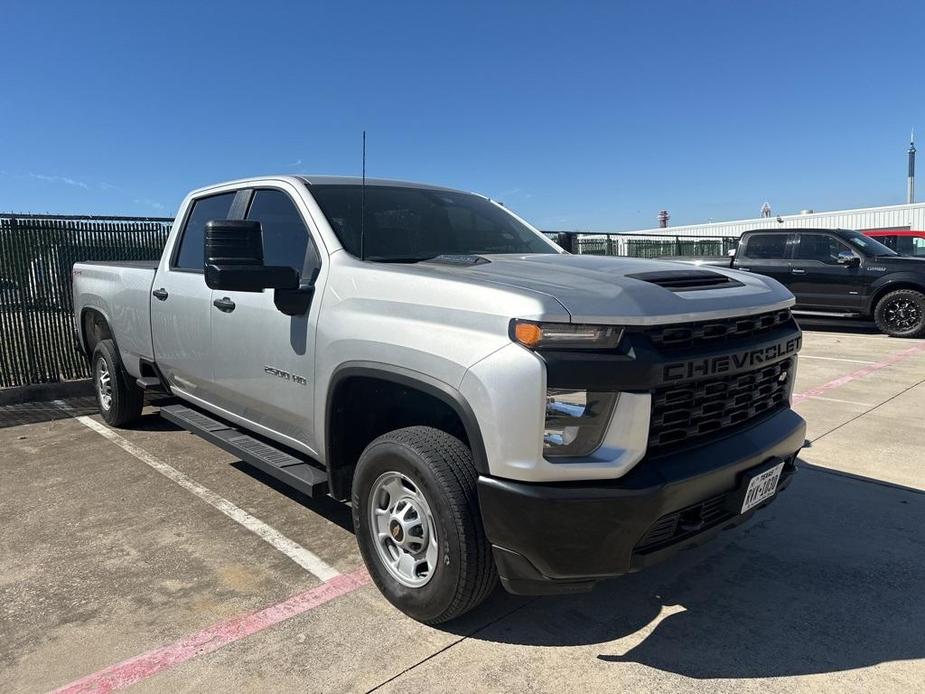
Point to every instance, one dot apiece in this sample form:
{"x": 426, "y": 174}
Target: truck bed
{"x": 121, "y": 292}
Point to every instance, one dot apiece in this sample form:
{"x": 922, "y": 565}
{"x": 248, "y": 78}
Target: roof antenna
{"x": 363, "y": 204}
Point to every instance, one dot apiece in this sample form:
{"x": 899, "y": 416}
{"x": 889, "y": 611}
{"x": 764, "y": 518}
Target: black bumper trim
{"x": 564, "y": 537}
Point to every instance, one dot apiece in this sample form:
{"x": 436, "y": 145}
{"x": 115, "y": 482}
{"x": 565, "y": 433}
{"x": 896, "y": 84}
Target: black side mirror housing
{"x": 234, "y": 259}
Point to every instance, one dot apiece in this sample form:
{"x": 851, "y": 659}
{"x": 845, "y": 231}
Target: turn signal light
{"x": 565, "y": 335}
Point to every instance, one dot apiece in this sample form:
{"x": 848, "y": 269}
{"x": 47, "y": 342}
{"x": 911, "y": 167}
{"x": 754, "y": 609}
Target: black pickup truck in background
{"x": 837, "y": 273}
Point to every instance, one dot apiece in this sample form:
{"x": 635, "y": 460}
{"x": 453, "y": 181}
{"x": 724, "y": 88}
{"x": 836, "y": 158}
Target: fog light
{"x": 576, "y": 421}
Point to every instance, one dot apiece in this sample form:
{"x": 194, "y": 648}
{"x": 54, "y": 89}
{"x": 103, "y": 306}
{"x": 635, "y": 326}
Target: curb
{"x": 45, "y": 391}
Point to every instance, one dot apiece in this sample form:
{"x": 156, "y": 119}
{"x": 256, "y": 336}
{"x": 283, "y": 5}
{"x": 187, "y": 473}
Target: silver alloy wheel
{"x": 402, "y": 526}
{"x": 103, "y": 383}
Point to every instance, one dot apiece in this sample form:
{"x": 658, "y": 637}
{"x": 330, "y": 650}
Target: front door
{"x": 263, "y": 359}
{"x": 818, "y": 280}
{"x": 181, "y": 304}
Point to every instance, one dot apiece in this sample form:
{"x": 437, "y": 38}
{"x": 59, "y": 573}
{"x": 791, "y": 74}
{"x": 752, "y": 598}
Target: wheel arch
{"x": 891, "y": 283}
{"x": 92, "y": 327}
{"x": 340, "y": 462}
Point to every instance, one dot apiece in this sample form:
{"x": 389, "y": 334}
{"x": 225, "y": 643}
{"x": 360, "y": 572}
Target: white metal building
{"x": 908, "y": 216}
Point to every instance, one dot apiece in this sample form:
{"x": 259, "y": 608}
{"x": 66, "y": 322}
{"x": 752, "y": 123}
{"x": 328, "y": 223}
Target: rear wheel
{"x": 901, "y": 313}
{"x": 120, "y": 400}
{"x": 415, "y": 511}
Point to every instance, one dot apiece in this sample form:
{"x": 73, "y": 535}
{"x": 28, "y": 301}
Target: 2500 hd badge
{"x": 730, "y": 363}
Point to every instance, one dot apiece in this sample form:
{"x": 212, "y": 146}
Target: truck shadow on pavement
{"x": 828, "y": 578}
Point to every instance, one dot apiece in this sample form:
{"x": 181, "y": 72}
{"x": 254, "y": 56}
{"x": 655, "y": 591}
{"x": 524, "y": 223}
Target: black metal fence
{"x": 645, "y": 245}
{"x": 37, "y": 252}
{"x": 36, "y": 255}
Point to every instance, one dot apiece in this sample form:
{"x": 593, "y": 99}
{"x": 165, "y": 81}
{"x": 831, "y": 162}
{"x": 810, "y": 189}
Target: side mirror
{"x": 848, "y": 258}
{"x": 234, "y": 259}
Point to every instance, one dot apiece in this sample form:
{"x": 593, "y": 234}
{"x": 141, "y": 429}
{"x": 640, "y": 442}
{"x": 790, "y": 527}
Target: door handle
{"x": 224, "y": 304}
{"x": 160, "y": 294}
{"x": 797, "y": 271}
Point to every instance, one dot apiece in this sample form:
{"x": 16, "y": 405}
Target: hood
{"x": 632, "y": 291}
{"x": 905, "y": 262}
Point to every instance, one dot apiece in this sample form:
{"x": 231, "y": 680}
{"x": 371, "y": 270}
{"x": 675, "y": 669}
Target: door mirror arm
{"x": 296, "y": 302}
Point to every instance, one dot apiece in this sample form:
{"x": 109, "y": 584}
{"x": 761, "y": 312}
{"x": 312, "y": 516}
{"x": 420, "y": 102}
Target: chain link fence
{"x": 36, "y": 255}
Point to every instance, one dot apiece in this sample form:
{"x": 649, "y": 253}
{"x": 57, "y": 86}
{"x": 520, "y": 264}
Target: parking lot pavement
{"x": 108, "y": 562}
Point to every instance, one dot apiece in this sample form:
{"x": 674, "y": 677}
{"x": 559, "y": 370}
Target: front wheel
{"x": 417, "y": 522}
{"x": 901, "y": 313}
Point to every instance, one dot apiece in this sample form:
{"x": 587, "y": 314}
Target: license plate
{"x": 761, "y": 487}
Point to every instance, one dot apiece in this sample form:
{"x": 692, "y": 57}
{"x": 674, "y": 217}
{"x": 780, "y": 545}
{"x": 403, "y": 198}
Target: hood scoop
{"x": 459, "y": 260}
{"x": 687, "y": 280}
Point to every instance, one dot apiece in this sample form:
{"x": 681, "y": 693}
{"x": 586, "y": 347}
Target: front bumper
{"x": 564, "y": 537}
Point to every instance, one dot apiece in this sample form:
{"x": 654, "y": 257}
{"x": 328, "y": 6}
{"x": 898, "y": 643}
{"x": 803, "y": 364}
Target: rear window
{"x": 191, "y": 254}
{"x": 767, "y": 246}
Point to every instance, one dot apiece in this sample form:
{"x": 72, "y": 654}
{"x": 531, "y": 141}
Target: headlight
{"x": 565, "y": 335}
{"x": 576, "y": 421}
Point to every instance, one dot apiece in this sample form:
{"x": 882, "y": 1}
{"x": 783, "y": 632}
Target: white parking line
{"x": 853, "y": 361}
{"x": 845, "y": 402}
{"x": 296, "y": 552}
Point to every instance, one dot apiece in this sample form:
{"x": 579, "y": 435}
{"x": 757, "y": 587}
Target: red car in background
{"x": 903, "y": 241}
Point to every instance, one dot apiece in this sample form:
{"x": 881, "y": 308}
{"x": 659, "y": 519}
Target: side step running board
{"x": 298, "y": 473}
{"x": 147, "y": 383}
{"x": 828, "y": 314}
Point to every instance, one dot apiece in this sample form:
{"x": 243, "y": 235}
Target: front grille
{"x": 684, "y": 523}
{"x": 715, "y": 332}
{"x": 684, "y": 414}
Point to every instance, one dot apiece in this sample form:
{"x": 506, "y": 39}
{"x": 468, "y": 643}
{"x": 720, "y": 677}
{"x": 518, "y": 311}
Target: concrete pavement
{"x": 102, "y": 559}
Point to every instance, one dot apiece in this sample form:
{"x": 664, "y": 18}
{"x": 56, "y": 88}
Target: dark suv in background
{"x": 839, "y": 273}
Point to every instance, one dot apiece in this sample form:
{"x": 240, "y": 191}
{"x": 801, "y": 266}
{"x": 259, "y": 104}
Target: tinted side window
{"x": 285, "y": 237}
{"x": 767, "y": 246}
{"x": 918, "y": 246}
{"x": 890, "y": 242}
{"x": 191, "y": 255}
{"x": 819, "y": 247}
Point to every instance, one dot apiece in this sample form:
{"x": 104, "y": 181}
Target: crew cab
{"x": 492, "y": 406}
{"x": 836, "y": 273}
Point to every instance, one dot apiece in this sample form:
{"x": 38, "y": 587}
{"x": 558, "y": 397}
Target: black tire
{"x": 440, "y": 466}
{"x": 901, "y": 313}
{"x": 126, "y": 398}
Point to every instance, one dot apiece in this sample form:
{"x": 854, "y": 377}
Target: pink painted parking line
{"x": 858, "y": 374}
{"x": 217, "y": 636}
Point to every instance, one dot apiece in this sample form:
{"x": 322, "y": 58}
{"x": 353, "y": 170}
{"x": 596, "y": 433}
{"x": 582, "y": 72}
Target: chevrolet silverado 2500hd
{"x": 491, "y": 406}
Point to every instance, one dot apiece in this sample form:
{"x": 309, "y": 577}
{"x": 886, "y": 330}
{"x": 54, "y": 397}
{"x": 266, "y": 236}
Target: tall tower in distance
{"x": 910, "y": 186}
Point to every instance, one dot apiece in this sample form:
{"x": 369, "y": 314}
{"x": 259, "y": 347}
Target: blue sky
{"x": 577, "y": 115}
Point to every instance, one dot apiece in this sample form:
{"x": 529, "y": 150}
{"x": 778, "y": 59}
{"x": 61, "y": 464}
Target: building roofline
{"x": 766, "y": 220}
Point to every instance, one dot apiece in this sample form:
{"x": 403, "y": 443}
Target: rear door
{"x": 819, "y": 280}
{"x": 181, "y": 304}
{"x": 264, "y": 359}
{"x": 767, "y": 254}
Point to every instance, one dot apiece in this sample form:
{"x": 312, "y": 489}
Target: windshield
{"x": 411, "y": 224}
{"x": 866, "y": 244}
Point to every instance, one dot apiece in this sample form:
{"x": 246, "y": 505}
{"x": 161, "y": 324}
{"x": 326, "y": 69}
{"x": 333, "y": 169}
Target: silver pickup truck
{"x": 492, "y": 406}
